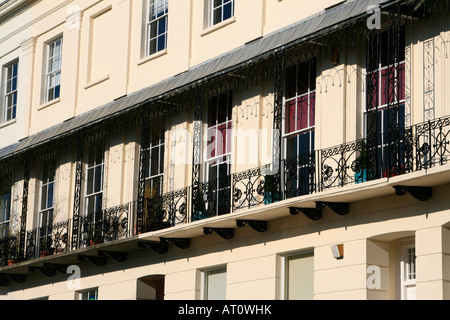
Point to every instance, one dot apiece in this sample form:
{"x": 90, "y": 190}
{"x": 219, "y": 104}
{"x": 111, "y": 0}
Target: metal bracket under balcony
{"x": 4, "y": 280}
{"x": 62, "y": 268}
{"x": 420, "y": 193}
{"x": 156, "y": 247}
{"x": 180, "y": 243}
{"x": 17, "y": 278}
{"x": 116, "y": 256}
{"x": 341, "y": 208}
{"x": 226, "y": 233}
{"x": 46, "y": 270}
{"x": 97, "y": 261}
{"x": 311, "y": 213}
{"x": 258, "y": 225}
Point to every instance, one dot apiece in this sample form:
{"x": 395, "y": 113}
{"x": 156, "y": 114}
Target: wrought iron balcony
{"x": 416, "y": 148}
{"x": 9, "y": 250}
{"x": 163, "y": 211}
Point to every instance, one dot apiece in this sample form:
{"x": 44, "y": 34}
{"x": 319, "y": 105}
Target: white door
{"x": 408, "y": 273}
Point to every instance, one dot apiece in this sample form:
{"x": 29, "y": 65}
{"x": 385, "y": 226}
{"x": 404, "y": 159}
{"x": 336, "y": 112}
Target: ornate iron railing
{"x": 164, "y": 211}
{"x": 104, "y": 226}
{"x": 394, "y": 153}
{"x": 47, "y": 240}
{"x": 9, "y": 250}
{"x": 416, "y": 148}
{"x": 213, "y": 199}
{"x": 300, "y": 176}
{"x": 431, "y": 143}
{"x": 252, "y": 187}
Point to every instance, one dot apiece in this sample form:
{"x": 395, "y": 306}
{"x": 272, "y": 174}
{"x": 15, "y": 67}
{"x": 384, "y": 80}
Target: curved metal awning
{"x": 302, "y": 31}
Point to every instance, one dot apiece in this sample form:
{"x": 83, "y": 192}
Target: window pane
{"x": 303, "y": 78}
{"x": 300, "y": 277}
{"x": 98, "y": 179}
{"x": 211, "y": 142}
{"x": 306, "y": 142}
{"x": 161, "y": 161}
{"x": 157, "y": 26}
{"x": 44, "y": 197}
{"x": 54, "y": 61}
{"x": 290, "y": 117}
{"x": 89, "y": 295}
{"x": 161, "y": 42}
{"x": 222, "y": 139}
{"x": 291, "y": 80}
{"x": 212, "y": 172}
{"x": 98, "y": 203}
{"x": 411, "y": 263}
{"x": 302, "y": 112}
{"x": 217, "y": 15}
{"x": 291, "y": 147}
{"x": 154, "y": 164}
{"x": 229, "y": 135}
{"x": 224, "y": 170}
{"x": 90, "y": 181}
{"x": 312, "y": 74}
{"x": 92, "y": 295}
{"x": 312, "y": 109}
{"x": 6, "y": 207}
{"x": 153, "y": 29}
{"x": 228, "y": 11}
{"x": 90, "y": 206}
{"x": 10, "y": 92}
{"x": 152, "y": 46}
{"x": 212, "y": 112}
{"x": 215, "y": 284}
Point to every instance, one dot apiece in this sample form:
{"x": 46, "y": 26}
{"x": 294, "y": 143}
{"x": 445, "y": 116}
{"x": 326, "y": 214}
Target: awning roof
{"x": 297, "y": 33}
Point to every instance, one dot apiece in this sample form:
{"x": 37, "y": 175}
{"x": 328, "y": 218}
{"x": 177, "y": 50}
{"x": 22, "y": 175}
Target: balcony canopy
{"x": 302, "y": 31}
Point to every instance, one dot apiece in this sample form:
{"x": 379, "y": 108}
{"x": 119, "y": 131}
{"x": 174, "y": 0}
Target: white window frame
{"x": 213, "y": 8}
{"x": 153, "y": 21}
{"x": 284, "y": 270}
{"x": 309, "y": 93}
{"x": 83, "y": 293}
{"x": 53, "y": 70}
{"x": 46, "y": 209}
{"x": 222, "y": 159}
{"x": 160, "y": 146}
{"x": 380, "y": 107}
{"x": 9, "y": 92}
{"x": 214, "y": 129}
{"x": 47, "y": 183}
{"x": 92, "y": 168}
{"x": 204, "y": 279}
{"x": 407, "y": 269}
{"x": 6, "y": 211}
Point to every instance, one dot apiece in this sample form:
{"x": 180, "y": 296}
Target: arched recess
{"x": 391, "y": 272}
{"x": 150, "y": 287}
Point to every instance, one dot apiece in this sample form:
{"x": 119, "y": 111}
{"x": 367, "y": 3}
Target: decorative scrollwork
{"x": 251, "y": 187}
{"x": 214, "y": 199}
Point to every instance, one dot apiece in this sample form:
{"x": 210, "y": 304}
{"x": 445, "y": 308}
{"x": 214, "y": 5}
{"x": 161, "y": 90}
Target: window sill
{"x": 218, "y": 26}
{"x": 48, "y": 104}
{"x": 7, "y": 123}
{"x": 95, "y": 82}
{"x": 152, "y": 57}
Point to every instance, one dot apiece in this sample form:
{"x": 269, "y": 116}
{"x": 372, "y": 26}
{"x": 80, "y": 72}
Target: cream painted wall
{"x": 190, "y": 43}
{"x": 124, "y": 69}
{"x": 371, "y": 236}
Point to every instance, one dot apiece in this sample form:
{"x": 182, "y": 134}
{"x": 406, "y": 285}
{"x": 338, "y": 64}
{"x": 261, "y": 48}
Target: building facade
{"x": 198, "y": 150}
